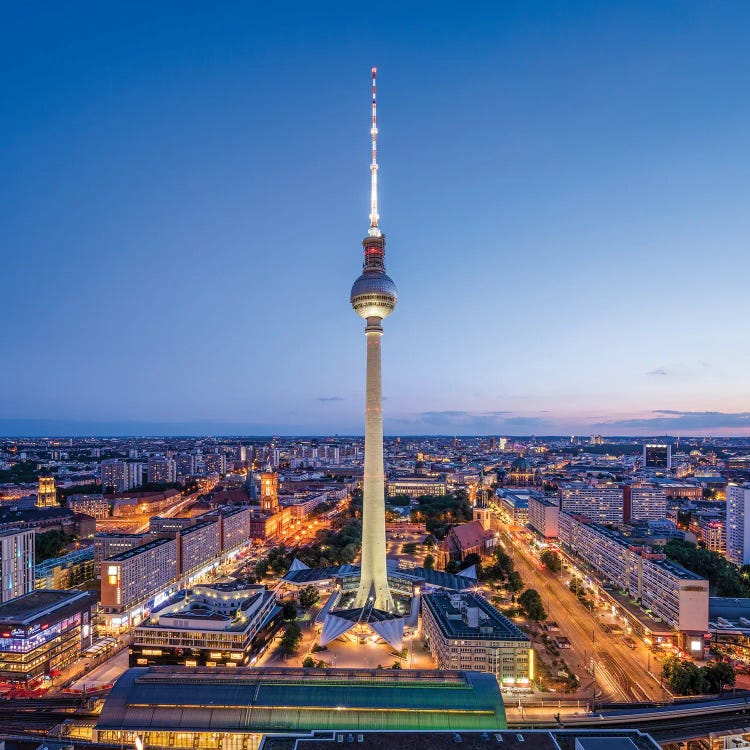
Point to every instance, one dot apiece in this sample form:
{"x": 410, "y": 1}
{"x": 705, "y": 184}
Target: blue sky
{"x": 564, "y": 189}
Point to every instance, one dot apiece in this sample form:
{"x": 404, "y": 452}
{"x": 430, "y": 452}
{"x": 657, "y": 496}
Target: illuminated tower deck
{"x": 373, "y": 298}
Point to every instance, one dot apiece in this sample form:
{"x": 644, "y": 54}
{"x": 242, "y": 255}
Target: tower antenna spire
{"x": 374, "y": 217}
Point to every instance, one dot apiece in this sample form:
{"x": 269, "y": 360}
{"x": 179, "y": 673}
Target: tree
{"x": 503, "y": 563}
{"x": 551, "y": 561}
{"x": 289, "y": 610}
{"x": 515, "y": 582}
{"x": 575, "y": 585}
{"x": 309, "y": 596}
{"x": 396, "y": 665}
{"x": 452, "y": 567}
{"x": 291, "y": 639}
{"x": 261, "y": 568}
{"x": 429, "y": 562}
{"x": 531, "y": 603}
{"x": 717, "y": 675}
{"x": 308, "y": 662}
{"x": 49, "y": 544}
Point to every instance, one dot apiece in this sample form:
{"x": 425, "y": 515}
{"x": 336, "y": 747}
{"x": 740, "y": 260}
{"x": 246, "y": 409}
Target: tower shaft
{"x": 374, "y": 580}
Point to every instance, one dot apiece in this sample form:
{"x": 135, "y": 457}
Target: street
{"x": 597, "y": 657}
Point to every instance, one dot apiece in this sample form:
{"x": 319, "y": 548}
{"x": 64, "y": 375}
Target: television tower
{"x": 373, "y": 298}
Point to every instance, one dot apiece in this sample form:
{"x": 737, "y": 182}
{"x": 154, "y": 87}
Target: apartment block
{"x": 602, "y": 504}
{"x": 672, "y": 593}
{"x": 544, "y": 516}
{"x": 134, "y": 577}
{"x": 120, "y": 476}
{"x": 162, "y": 470}
{"x": 196, "y": 546}
{"x": 644, "y": 503}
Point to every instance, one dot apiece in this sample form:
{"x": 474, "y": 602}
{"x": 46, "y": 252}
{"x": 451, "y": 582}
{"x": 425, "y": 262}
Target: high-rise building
{"x": 186, "y": 464}
{"x": 17, "y": 559}
{"x": 657, "y": 456}
{"x": 46, "y": 495}
{"x": 162, "y": 470}
{"x": 120, "y": 476}
{"x": 374, "y": 298}
{"x": 738, "y": 523}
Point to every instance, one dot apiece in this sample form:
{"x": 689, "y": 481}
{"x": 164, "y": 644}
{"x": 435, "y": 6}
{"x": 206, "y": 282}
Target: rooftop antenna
{"x": 374, "y": 229}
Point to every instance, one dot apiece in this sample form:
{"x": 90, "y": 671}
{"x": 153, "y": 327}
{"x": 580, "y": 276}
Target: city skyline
{"x": 558, "y": 196}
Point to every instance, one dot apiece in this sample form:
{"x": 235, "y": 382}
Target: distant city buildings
{"x": 657, "y": 456}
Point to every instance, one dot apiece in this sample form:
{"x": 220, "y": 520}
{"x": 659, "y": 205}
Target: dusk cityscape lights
{"x": 222, "y": 528}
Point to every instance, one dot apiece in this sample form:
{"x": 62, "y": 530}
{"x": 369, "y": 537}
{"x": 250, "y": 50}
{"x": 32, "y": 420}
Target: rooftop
{"x": 293, "y": 699}
{"x": 452, "y": 619}
{"x": 139, "y": 550}
{"x": 25, "y": 609}
{"x": 523, "y": 739}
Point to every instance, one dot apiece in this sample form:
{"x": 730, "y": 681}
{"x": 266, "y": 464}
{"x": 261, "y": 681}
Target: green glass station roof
{"x": 275, "y": 700}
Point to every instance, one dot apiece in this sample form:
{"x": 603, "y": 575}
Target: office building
{"x": 162, "y": 471}
{"x": 217, "y": 625}
{"x": 17, "y": 557}
{"x": 644, "y": 503}
{"x": 120, "y": 476}
{"x": 738, "y": 523}
{"x": 46, "y": 495}
{"x": 204, "y": 709}
{"x": 602, "y": 504}
{"x": 544, "y": 516}
{"x": 464, "y": 631}
{"x": 43, "y": 632}
{"x": 657, "y": 456}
